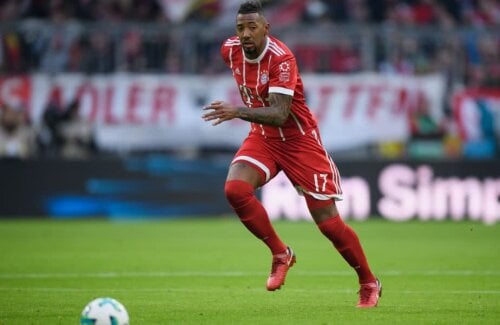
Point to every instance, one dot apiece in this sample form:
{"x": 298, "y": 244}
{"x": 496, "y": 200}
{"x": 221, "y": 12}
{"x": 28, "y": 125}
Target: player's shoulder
{"x": 231, "y": 42}
{"x": 280, "y": 50}
{"x": 229, "y": 45}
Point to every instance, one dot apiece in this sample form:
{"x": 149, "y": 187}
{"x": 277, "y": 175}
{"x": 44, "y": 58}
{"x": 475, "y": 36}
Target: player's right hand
{"x": 219, "y": 111}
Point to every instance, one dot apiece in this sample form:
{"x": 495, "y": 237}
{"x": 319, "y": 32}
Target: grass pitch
{"x": 212, "y": 271}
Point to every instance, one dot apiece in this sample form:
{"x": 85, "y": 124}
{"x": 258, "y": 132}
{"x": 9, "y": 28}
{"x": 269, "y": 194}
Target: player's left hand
{"x": 220, "y": 111}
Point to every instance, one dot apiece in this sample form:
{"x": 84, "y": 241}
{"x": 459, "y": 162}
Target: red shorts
{"x": 303, "y": 159}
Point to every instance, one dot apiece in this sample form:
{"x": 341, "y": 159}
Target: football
{"x": 104, "y": 311}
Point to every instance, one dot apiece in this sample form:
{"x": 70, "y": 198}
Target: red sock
{"x": 252, "y": 214}
{"x": 347, "y": 243}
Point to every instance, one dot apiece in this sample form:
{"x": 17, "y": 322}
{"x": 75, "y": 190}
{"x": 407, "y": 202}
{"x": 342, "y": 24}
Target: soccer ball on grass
{"x": 104, "y": 311}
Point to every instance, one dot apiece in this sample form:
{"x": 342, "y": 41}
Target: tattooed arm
{"x": 275, "y": 114}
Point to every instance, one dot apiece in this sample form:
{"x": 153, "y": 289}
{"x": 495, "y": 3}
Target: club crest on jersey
{"x": 237, "y": 71}
{"x": 264, "y": 77}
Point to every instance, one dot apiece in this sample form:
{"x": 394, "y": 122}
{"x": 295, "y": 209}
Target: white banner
{"x": 154, "y": 112}
{"x": 361, "y": 109}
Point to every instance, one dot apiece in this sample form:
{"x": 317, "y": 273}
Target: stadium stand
{"x": 459, "y": 40}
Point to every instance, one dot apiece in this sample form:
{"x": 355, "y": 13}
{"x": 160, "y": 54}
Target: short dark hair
{"x": 250, "y": 7}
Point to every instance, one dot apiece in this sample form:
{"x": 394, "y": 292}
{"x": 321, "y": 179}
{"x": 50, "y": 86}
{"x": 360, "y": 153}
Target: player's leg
{"x": 313, "y": 173}
{"x": 342, "y": 236}
{"x": 251, "y": 168}
{"x": 346, "y": 241}
{"x": 240, "y": 187}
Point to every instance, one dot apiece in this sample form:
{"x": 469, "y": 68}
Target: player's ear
{"x": 266, "y": 24}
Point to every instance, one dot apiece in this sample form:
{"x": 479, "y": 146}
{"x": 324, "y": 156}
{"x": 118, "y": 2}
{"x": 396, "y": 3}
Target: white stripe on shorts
{"x": 256, "y": 163}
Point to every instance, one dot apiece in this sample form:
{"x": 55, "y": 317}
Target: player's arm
{"x": 275, "y": 114}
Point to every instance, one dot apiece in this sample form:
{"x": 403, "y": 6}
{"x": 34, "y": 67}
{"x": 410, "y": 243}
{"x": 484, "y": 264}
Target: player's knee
{"x": 238, "y": 193}
{"x": 321, "y": 210}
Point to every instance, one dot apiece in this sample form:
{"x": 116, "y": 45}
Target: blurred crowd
{"x": 459, "y": 39}
{"x": 414, "y": 12}
{"x": 63, "y": 133}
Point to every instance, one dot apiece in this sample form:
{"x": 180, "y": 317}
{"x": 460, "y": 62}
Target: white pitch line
{"x": 446, "y": 273}
{"x": 259, "y": 289}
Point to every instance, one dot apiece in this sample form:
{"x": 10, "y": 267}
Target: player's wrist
{"x": 239, "y": 112}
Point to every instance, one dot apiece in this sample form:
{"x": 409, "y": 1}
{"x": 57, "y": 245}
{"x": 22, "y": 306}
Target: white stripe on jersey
{"x": 281, "y": 134}
{"x": 274, "y": 51}
{"x": 276, "y": 47}
{"x": 298, "y": 123}
{"x": 281, "y": 90}
{"x": 257, "y": 85}
{"x": 230, "y": 42}
{"x": 231, "y": 60}
{"x": 244, "y": 74}
{"x": 256, "y": 163}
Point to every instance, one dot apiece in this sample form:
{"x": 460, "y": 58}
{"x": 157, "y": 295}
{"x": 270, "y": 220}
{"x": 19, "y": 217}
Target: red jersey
{"x": 274, "y": 71}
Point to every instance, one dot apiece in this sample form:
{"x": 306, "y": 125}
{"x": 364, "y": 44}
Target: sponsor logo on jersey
{"x": 284, "y": 72}
{"x": 285, "y": 66}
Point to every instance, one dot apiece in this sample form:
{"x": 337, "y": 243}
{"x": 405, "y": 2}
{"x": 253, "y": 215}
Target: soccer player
{"x": 284, "y": 137}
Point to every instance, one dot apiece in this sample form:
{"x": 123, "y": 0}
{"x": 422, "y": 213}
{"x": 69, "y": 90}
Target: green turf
{"x": 212, "y": 271}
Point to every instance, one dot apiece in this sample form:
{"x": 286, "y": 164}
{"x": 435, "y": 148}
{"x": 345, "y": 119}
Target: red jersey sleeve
{"x": 283, "y": 76}
{"x": 224, "y": 53}
{"x": 227, "y": 49}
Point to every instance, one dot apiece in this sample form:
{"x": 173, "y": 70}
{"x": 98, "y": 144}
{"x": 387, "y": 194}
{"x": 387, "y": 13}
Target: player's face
{"x": 252, "y": 30}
